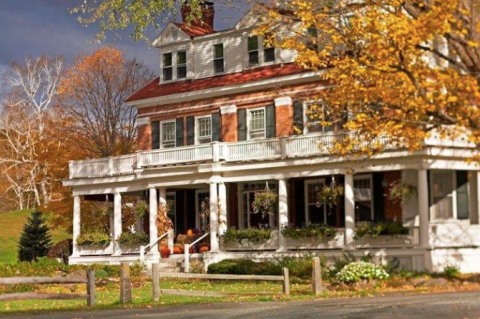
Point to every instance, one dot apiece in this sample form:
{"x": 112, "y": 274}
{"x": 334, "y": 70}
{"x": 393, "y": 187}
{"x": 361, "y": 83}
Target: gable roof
{"x": 156, "y": 89}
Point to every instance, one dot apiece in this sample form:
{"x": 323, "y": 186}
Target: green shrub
{"x": 93, "y": 238}
{"x": 312, "y": 231}
{"x": 35, "y": 241}
{"x": 361, "y": 270}
{"x": 451, "y": 271}
{"x": 244, "y": 267}
{"x": 101, "y": 273}
{"x": 255, "y": 235}
{"x": 130, "y": 239}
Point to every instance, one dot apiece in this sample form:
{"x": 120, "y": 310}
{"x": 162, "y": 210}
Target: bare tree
{"x": 93, "y": 94}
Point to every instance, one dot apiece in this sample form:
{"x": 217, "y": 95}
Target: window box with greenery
{"x": 250, "y": 238}
{"x": 130, "y": 242}
{"x": 94, "y": 243}
{"x": 312, "y": 236}
{"x": 390, "y": 234}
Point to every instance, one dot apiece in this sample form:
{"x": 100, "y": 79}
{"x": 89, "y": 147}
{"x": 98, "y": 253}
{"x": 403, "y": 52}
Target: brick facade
{"x": 144, "y": 141}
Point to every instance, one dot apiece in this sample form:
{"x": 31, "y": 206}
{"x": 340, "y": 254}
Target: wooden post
{"x": 125, "y": 284}
{"x": 286, "y": 282}
{"x": 155, "y": 282}
{"x": 91, "y": 288}
{"x": 317, "y": 276}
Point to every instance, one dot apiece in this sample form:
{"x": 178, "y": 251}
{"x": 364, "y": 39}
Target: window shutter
{"x": 242, "y": 125}
{"x": 297, "y": 117}
{"x": 155, "y": 135}
{"x": 462, "y": 195}
{"x": 270, "y": 121}
{"x": 216, "y": 127}
{"x": 179, "y": 132}
{"x": 190, "y": 130}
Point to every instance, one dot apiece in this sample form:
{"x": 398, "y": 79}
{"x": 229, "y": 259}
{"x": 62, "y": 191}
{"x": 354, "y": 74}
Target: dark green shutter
{"x": 155, "y": 135}
{"x": 298, "y": 117}
{"x": 270, "y": 114}
{"x": 242, "y": 124}
{"x": 462, "y": 195}
{"x": 179, "y": 132}
{"x": 190, "y": 130}
{"x": 216, "y": 127}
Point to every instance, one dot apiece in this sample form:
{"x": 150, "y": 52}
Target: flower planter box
{"x": 131, "y": 249}
{"x": 91, "y": 249}
{"x": 270, "y": 244}
{"x": 314, "y": 243}
{"x": 386, "y": 241}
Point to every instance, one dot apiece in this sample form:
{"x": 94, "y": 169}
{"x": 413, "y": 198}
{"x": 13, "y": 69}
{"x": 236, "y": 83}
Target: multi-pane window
{"x": 167, "y": 67}
{"x": 257, "y": 123}
{"x": 363, "y": 194}
{"x": 316, "y": 116}
{"x": 168, "y": 134}
{"x": 218, "y": 58}
{"x": 253, "y": 52}
{"x": 181, "y": 64}
{"x": 315, "y": 209}
{"x": 172, "y": 213}
{"x": 268, "y": 53}
{"x": 204, "y": 129}
{"x": 449, "y": 195}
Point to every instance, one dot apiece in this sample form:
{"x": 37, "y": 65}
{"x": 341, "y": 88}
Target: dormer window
{"x": 253, "y": 54}
{"x": 167, "y": 67}
{"x": 218, "y": 59}
{"x": 258, "y": 52}
{"x": 181, "y": 64}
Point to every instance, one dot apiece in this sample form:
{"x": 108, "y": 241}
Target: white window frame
{"x": 181, "y": 65}
{"x": 174, "y": 54}
{"x": 307, "y": 214}
{"x": 249, "y": 117}
{"x": 163, "y": 66}
{"x": 214, "y": 58}
{"x": 261, "y": 52}
{"x": 197, "y": 135}
{"x": 372, "y": 197}
{"x": 241, "y": 219}
{"x": 161, "y": 133}
{"x": 174, "y": 194}
{"x": 454, "y": 217}
{"x": 305, "y": 118}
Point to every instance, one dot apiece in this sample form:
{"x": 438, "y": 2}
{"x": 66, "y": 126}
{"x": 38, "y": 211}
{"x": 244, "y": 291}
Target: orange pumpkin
{"x": 204, "y": 249}
{"x": 177, "y": 250}
{"x": 189, "y": 232}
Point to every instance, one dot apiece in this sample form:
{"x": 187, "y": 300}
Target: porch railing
{"x": 143, "y": 249}
{"x": 187, "y": 251}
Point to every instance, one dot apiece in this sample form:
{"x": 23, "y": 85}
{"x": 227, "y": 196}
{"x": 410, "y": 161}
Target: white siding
{"x": 203, "y": 59}
{"x": 234, "y": 54}
{"x": 286, "y": 56}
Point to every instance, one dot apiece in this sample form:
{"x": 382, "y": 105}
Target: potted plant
{"x": 245, "y": 238}
{"x": 132, "y": 240}
{"x": 402, "y": 192}
{"x": 330, "y": 195}
{"x": 265, "y": 202}
{"x": 164, "y": 252}
{"x": 94, "y": 242}
{"x": 318, "y": 236}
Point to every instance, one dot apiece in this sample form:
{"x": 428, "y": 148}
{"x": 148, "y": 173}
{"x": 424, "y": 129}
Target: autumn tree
{"x": 396, "y": 68}
{"x": 93, "y": 92}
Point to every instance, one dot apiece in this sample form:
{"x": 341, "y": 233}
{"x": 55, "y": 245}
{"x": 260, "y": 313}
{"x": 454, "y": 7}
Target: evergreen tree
{"x": 35, "y": 240}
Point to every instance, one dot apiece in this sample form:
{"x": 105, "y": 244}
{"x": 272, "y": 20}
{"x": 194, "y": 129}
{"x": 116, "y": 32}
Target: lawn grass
{"x": 11, "y": 228}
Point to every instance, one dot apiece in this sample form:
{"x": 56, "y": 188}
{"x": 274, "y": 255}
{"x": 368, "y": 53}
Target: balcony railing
{"x": 255, "y": 150}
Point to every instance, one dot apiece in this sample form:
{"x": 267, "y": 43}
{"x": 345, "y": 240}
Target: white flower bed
{"x": 361, "y": 270}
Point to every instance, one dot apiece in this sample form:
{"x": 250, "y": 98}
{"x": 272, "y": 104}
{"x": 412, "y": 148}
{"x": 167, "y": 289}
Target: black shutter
{"x": 216, "y": 127}
{"x": 462, "y": 195}
{"x": 190, "y": 130}
{"x": 270, "y": 120}
{"x": 298, "y": 117}
{"x": 378, "y": 198}
{"x": 242, "y": 124}
{"x": 179, "y": 132}
{"x": 155, "y": 135}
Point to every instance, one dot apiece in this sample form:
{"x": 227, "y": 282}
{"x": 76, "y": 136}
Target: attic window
{"x": 167, "y": 67}
{"x": 181, "y": 64}
{"x": 253, "y": 54}
{"x": 218, "y": 58}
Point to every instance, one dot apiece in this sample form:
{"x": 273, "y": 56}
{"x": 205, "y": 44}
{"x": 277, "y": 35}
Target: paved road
{"x": 435, "y": 306}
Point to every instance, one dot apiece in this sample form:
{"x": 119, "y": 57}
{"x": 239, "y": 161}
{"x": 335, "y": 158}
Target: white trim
{"x": 161, "y": 132}
{"x": 453, "y": 195}
{"x": 249, "y": 117}
{"x": 215, "y": 59}
{"x": 306, "y": 184}
{"x": 174, "y": 194}
{"x": 298, "y": 78}
{"x": 197, "y": 135}
{"x": 372, "y": 195}
{"x": 229, "y": 109}
{"x": 142, "y": 121}
{"x": 283, "y": 101}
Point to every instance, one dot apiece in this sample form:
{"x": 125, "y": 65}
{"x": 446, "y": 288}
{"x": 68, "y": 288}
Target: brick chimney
{"x": 205, "y": 21}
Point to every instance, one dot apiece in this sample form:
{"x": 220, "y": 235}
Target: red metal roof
{"x": 194, "y": 31}
{"x": 154, "y": 89}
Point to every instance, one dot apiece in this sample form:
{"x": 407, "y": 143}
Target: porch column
{"x": 76, "y": 225}
{"x": 152, "y": 218}
{"x": 222, "y": 198}
{"x": 474, "y": 198}
{"x": 214, "y": 246}
{"x": 349, "y": 212}
{"x": 282, "y": 212}
{"x": 163, "y": 203}
{"x": 423, "y": 207}
{"x": 117, "y": 222}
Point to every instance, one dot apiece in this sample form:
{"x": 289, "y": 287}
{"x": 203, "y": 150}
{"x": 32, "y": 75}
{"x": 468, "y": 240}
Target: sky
{"x": 35, "y": 27}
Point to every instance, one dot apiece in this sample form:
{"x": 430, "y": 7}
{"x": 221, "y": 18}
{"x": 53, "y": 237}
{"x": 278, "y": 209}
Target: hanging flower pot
{"x": 265, "y": 202}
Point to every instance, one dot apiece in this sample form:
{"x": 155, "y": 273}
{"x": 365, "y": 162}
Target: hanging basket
{"x": 265, "y": 202}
